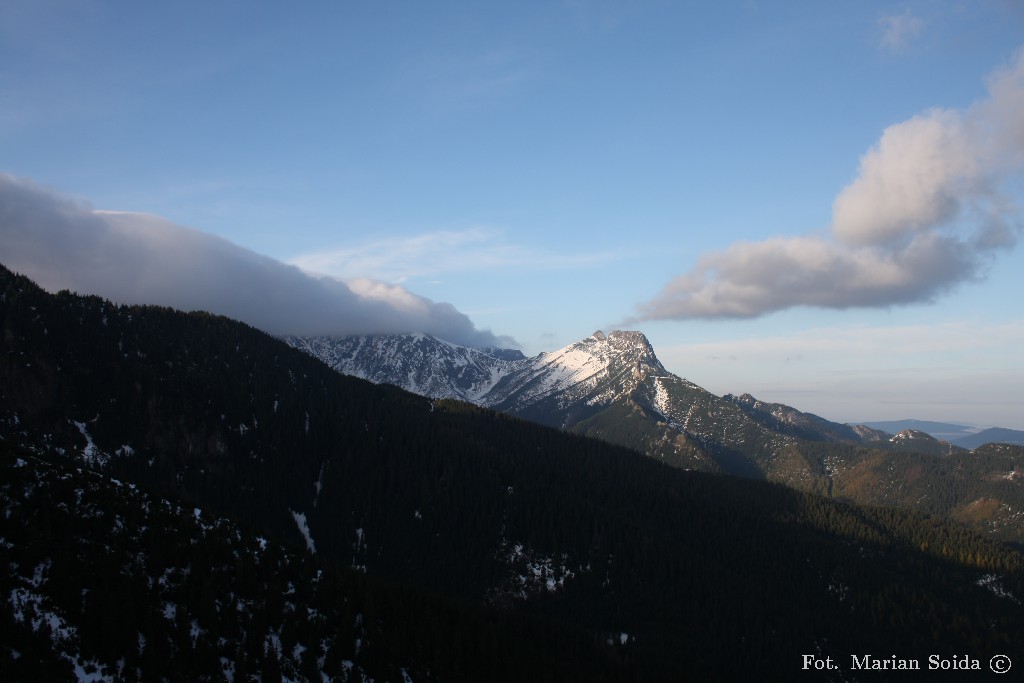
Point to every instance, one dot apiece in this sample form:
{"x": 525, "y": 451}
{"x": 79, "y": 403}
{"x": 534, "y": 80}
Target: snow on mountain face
{"x": 595, "y": 368}
{"x": 609, "y": 386}
{"x": 419, "y": 363}
{"x": 910, "y": 435}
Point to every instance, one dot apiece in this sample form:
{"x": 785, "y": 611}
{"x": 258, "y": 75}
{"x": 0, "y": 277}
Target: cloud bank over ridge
{"x": 139, "y": 258}
{"x": 932, "y": 204}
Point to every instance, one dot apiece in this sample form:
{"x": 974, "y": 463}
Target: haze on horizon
{"x": 817, "y": 206}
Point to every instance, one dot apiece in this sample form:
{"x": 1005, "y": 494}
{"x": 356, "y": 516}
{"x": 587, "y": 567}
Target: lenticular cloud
{"x": 139, "y": 258}
{"x": 931, "y": 205}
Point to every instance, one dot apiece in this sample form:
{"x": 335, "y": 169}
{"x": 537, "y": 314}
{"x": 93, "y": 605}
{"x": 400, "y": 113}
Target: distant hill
{"x": 992, "y": 435}
{"x": 961, "y": 435}
{"x": 947, "y": 431}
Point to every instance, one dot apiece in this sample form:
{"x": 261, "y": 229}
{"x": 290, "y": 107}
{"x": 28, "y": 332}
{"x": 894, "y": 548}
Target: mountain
{"x": 471, "y": 536}
{"x": 592, "y": 371}
{"x": 783, "y": 418}
{"x": 422, "y": 364}
{"x": 436, "y": 368}
{"x": 613, "y": 387}
{"x": 610, "y": 386}
{"x": 991, "y": 435}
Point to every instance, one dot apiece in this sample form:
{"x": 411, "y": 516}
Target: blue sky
{"x": 814, "y": 202}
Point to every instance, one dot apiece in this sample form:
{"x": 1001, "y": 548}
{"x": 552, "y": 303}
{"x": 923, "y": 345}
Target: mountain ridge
{"x": 614, "y": 388}
{"x": 593, "y": 386}
{"x": 507, "y": 380}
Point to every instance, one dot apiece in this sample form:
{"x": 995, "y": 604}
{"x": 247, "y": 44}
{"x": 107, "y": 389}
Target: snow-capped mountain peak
{"x": 594, "y": 369}
{"x": 596, "y": 366}
{"x": 603, "y": 353}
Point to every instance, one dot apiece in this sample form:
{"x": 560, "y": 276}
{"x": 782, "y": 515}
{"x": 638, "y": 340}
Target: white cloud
{"x": 898, "y": 30}
{"x": 399, "y": 258}
{"x": 913, "y": 178}
{"x": 138, "y": 258}
{"x": 930, "y": 207}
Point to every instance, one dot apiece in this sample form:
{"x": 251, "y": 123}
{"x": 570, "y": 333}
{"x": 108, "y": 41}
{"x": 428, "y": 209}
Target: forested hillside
{"x": 648, "y": 572}
{"x": 108, "y": 582}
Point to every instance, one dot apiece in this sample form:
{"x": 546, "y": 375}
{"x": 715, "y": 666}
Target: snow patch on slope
{"x": 92, "y": 455}
{"x": 300, "y": 521}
